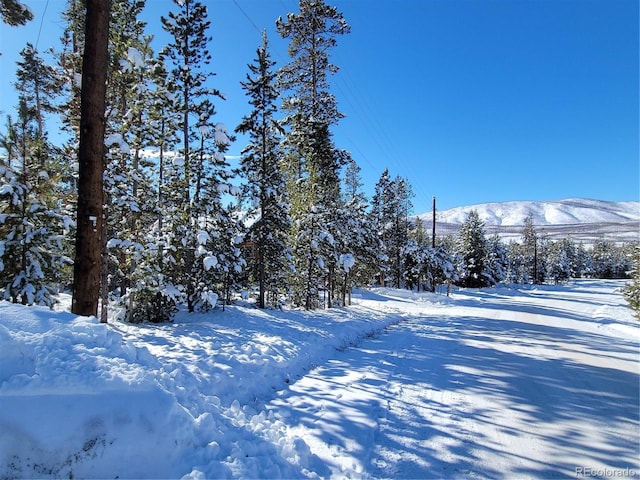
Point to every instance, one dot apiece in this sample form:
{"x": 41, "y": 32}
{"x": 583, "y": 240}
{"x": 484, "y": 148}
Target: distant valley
{"x": 584, "y": 220}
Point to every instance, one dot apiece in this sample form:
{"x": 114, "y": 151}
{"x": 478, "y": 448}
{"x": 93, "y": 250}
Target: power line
{"x": 247, "y": 17}
{"x": 362, "y": 109}
{"x": 41, "y": 23}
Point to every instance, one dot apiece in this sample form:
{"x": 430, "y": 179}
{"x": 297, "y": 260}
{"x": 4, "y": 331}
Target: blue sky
{"x": 472, "y": 100}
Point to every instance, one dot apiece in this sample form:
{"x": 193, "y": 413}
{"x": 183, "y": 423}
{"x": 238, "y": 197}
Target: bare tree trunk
{"x": 87, "y": 266}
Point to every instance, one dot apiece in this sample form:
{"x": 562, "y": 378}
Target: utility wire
{"x": 41, "y": 23}
{"x": 361, "y": 108}
{"x": 247, "y": 17}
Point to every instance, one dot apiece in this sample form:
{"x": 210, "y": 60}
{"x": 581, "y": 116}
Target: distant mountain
{"x": 582, "y": 219}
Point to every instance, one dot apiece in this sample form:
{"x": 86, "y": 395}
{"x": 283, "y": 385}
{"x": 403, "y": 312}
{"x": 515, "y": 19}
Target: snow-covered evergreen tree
{"x": 39, "y": 84}
{"x": 130, "y": 200}
{"x": 358, "y": 242}
{"x": 632, "y": 289}
{"x": 472, "y": 249}
{"x": 583, "y": 262}
{"x": 560, "y": 261}
{"x": 441, "y": 266}
{"x": 531, "y": 252}
{"x": 391, "y": 207}
{"x": 265, "y": 189}
{"x": 380, "y": 215}
{"x": 416, "y": 254}
{"x": 218, "y": 259}
{"x": 495, "y": 261}
{"x": 201, "y": 167}
{"x": 609, "y": 260}
{"x": 32, "y": 220}
{"x": 312, "y": 162}
{"x": 15, "y": 12}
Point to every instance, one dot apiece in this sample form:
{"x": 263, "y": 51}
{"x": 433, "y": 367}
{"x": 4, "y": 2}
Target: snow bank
{"x": 84, "y": 399}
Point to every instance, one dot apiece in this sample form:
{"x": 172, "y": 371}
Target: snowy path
{"x": 532, "y": 384}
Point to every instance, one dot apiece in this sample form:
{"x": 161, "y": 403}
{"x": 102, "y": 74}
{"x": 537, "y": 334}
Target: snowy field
{"x": 503, "y": 383}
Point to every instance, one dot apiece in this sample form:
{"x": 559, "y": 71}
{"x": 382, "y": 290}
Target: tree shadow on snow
{"x": 430, "y": 424}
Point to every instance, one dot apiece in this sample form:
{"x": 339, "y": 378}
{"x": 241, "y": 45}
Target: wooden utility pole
{"x": 88, "y": 263}
{"x": 433, "y": 230}
{"x": 433, "y": 239}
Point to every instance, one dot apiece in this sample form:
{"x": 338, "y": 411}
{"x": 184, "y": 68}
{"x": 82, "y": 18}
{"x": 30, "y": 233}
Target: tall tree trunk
{"x": 87, "y": 266}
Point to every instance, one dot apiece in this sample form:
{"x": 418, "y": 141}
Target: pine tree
{"x": 496, "y": 262}
{"x": 584, "y": 263}
{"x": 358, "y": 242}
{"x": 380, "y": 215}
{"x": 15, "y": 13}
{"x": 531, "y": 251}
{"x": 472, "y": 249}
{"x": 265, "y": 189}
{"x": 312, "y": 162}
{"x": 159, "y": 293}
{"x": 186, "y": 57}
{"x": 131, "y": 242}
{"x": 391, "y": 208}
{"x": 217, "y": 259}
{"x": 415, "y": 256}
{"x": 39, "y": 84}
{"x": 70, "y": 67}
{"x": 609, "y": 260}
{"x": 440, "y": 265}
{"x": 632, "y": 289}
{"x": 32, "y": 221}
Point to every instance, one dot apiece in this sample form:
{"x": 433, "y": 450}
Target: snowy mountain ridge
{"x": 560, "y": 212}
{"x": 579, "y": 218}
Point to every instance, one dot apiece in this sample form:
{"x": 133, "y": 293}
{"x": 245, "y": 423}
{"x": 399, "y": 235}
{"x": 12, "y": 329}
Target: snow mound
{"x": 84, "y": 399}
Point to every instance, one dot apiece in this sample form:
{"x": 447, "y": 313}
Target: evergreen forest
{"x": 180, "y": 226}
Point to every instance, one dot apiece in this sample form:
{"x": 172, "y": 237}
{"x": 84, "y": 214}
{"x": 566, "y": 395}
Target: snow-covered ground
{"x": 502, "y": 382}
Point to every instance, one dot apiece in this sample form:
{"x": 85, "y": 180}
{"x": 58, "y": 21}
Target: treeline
{"x": 177, "y": 218}
{"x": 471, "y": 259}
{"x": 180, "y": 227}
